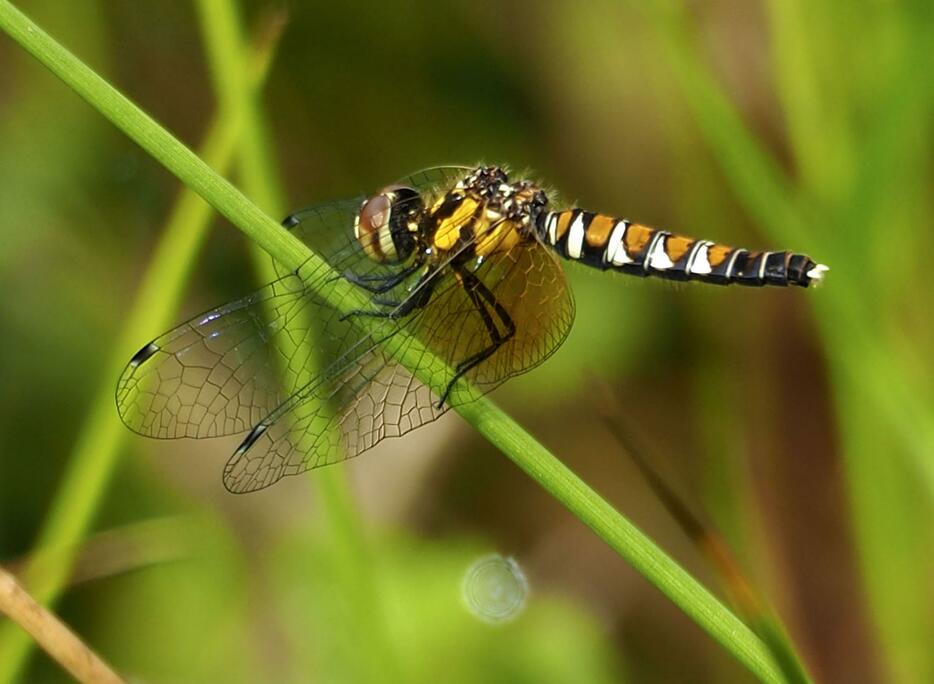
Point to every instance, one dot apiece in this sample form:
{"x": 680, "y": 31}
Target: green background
{"x": 800, "y": 422}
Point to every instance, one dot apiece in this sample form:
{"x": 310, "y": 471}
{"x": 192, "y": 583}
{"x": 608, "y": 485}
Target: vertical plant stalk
{"x": 501, "y": 430}
{"x": 882, "y": 397}
{"x": 817, "y": 131}
{"x": 776, "y": 205}
{"x": 885, "y": 184}
{"x": 258, "y": 171}
{"x": 62, "y": 645}
{"x": 102, "y": 435}
{"x": 708, "y": 540}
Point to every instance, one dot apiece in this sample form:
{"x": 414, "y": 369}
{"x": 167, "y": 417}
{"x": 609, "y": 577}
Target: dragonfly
{"x": 462, "y": 263}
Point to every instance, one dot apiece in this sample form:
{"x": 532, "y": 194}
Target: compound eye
{"x": 374, "y": 214}
{"x": 382, "y": 225}
{"x": 371, "y": 227}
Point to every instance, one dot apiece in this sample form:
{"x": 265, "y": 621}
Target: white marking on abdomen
{"x": 658, "y": 257}
{"x": 553, "y": 227}
{"x": 817, "y": 273}
{"x": 576, "y": 237}
{"x": 615, "y": 250}
{"x": 700, "y": 264}
{"x": 761, "y": 273}
{"x": 728, "y": 273}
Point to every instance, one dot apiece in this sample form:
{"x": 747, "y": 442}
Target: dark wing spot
{"x": 251, "y": 438}
{"x": 144, "y": 354}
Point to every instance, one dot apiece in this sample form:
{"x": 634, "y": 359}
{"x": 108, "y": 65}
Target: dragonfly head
{"x": 386, "y": 225}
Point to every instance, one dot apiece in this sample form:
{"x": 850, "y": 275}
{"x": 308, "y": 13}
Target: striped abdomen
{"x": 605, "y": 242}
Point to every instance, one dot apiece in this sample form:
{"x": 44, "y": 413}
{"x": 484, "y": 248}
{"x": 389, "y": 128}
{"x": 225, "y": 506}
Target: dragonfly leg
{"x": 378, "y": 284}
{"x": 421, "y": 295}
{"x": 482, "y": 297}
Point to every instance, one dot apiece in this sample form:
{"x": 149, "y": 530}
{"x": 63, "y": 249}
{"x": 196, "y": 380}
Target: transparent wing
{"x": 225, "y": 370}
{"x": 339, "y": 416}
{"x": 312, "y": 385}
{"x": 222, "y": 372}
{"x": 372, "y": 397}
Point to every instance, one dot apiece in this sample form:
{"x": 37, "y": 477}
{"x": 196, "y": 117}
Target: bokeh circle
{"x": 495, "y": 589}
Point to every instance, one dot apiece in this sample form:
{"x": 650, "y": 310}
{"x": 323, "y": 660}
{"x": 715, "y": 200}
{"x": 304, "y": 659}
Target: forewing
{"x": 223, "y": 371}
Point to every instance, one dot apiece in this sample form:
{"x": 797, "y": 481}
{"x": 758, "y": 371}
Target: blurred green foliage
{"x": 803, "y": 419}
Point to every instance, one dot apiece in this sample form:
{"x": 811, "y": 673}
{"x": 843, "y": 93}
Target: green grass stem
{"x": 556, "y": 478}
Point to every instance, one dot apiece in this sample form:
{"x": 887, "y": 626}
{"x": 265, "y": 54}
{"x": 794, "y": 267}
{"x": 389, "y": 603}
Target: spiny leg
{"x": 478, "y": 292}
{"x": 420, "y": 296}
{"x": 384, "y": 282}
{"x": 485, "y": 292}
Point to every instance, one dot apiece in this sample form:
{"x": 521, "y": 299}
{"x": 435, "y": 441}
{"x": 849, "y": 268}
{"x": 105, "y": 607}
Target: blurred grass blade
{"x": 491, "y": 422}
{"x": 780, "y": 208}
{"x": 768, "y": 196}
{"x": 744, "y": 597}
{"x": 120, "y": 550}
{"x": 816, "y": 123}
{"x": 760, "y": 183}
{"x": 866, "y": 194}
{"x": 258, "y": 171}
{"x": 892, "y": 506}
{"x": 102, "y": 436}
{"x": 624, "y": 537}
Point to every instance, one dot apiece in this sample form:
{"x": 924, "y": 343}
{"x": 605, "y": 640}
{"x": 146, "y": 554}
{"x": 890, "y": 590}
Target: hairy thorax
{"x": 484, "y": 214}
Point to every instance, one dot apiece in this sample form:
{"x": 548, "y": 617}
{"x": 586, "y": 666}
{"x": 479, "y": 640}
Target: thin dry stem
{"x": 52, "y": 635}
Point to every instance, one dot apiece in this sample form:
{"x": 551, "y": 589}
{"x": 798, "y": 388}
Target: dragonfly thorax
{"x": 386, "y": 225}
{"x": 485, "y": 213}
